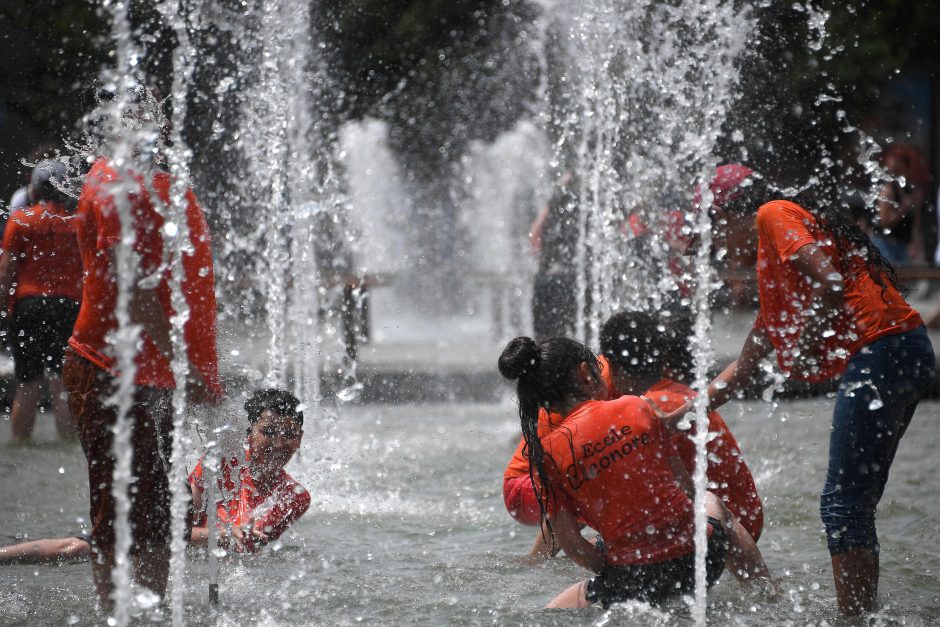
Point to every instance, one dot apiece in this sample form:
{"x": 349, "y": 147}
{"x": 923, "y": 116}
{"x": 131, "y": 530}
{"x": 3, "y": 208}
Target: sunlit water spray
{"x": 648, "y": 87}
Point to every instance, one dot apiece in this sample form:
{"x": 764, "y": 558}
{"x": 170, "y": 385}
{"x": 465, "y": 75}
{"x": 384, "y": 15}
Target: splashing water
{"x": 640, "y": 77}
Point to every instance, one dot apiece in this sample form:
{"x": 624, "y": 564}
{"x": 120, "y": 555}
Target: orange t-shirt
{"x": 784, "y": 227}
{"x": 42, "y": 240}
{"x": 99, "y": 232}
{"x": 608, "y": 464}
{"x": 237, "y": 503}
{"x": 729, "y": 478}
{"x": 519, "y": 464}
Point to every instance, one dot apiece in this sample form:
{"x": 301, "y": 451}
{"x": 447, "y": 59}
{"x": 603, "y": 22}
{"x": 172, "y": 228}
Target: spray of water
{"x": 123, "y": 81}
{"x": 176, "y": 243}
{"x": 647, "y": 88}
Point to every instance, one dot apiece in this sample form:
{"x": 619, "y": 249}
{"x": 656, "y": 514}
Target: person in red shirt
{"x": 40, "y": 288}
{"x": 831, "y": 307}
{"x": 518, "y": 490}
{"x": 258, "y": 501}
{"x": 611, "y": 464}
{"x": 91, "y": 373}
{"x": 650, "y": 356}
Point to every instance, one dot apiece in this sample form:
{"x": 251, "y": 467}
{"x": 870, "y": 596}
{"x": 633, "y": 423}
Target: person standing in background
{"x": 901, "y": 224}
{"x": 40, "y": 289}
{"x": 91, "y": 373}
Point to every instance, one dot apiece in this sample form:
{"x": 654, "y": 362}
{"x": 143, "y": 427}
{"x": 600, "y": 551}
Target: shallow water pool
{"x": 407, "y": 526}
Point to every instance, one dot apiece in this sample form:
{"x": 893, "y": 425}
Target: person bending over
{"x": 611, "y": 464}
{"x": 258, "y": 501}
{"x": 519, "y": 495}
{"x": 831, "y": 307}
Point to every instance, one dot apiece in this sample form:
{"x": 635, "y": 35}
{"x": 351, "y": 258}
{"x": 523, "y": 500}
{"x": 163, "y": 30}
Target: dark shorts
{"x": 654, "y": 583}
{"x": 151, "y": 440}
{"x": 40, "y": 331}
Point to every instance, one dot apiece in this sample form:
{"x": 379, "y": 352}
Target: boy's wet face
{"x": 273, "y": 440}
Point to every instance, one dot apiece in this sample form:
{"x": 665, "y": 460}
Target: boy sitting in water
{"x": 256, "y": 502}
{"x": 649, "y": 356}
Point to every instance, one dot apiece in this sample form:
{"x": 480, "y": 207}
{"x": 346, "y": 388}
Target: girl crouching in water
{"x": 611, "y": 464}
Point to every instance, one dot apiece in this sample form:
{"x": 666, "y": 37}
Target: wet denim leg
{"x": 876, "y": 400}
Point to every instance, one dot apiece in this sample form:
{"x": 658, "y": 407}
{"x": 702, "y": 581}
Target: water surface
{"x": 407, "y": 525}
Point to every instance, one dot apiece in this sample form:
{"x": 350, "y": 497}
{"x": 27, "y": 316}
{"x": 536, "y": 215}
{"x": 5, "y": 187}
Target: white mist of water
{"x": 176, "y": 243}
{"x": 647, "y": 88}
{"x": 378, "y": 197}
{"x": 122, "y": 81}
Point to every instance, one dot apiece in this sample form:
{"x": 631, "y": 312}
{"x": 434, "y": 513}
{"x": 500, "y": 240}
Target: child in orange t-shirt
{"x": 257, "y": 501}
{"x": 612, "y": 465}
{"x": 649, "y": 355}
{"x": 518, "y": 492}
{"x": 831, "y": 307}
{"x": 40, "y": 289}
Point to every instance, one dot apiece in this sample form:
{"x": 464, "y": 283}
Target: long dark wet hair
{"x": 643, "y": 344}
{"x": 546, "y": 377}
{"x": 847, "y": 237}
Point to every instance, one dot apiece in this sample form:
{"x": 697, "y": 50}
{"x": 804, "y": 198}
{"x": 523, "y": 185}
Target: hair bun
{"x": 520, "y": 356}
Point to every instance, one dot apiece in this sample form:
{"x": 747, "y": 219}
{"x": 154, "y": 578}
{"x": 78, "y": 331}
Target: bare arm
{"x": 742, "y": 370}
{"x": 147, "y": 311}
{"x": 732, "y": 379}
{"x": 580, "y": 550}
{"x": 8, "y": 269}
{"x": 828, "y": 301}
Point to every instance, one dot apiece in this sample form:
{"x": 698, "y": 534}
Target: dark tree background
{"x": 446, "y": 72}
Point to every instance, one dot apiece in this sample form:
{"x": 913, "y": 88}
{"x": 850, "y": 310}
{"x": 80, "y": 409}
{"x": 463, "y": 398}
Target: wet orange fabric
{"x": 42, "y": 240}
{"x": 99, "y": 232}
{"x": 239, "y": 500}
{"x": 519, "y": 464}
{"x": 784, "y": 227}
{"x": 729, "y": 477}
{"x": 608, "y": 464}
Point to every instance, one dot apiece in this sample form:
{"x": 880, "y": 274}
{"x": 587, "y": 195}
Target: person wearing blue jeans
{"x": 831, "y": 307}
{"x": 878, "y": 394}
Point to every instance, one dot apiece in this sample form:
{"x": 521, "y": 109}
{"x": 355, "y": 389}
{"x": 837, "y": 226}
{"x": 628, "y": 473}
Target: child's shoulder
{"x": 292, "y": 486}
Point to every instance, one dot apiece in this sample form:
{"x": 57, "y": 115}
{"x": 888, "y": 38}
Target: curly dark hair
{"x": 276, "y": 401}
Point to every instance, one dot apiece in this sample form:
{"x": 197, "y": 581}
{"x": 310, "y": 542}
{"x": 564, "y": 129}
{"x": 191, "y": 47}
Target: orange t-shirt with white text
{"x": 783, "y": 228}
{"x": 608, "y": 464}
{"x": 99, "y": 232}
{"x": 729, "y": 477}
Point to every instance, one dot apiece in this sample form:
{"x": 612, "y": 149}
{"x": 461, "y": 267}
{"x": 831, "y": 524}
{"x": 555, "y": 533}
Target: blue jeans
{"x": 893, "y": 250}
{"x": 877, "y": 396}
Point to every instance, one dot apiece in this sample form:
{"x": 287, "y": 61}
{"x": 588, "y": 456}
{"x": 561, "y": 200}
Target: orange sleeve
{"x": 785, "y": 227}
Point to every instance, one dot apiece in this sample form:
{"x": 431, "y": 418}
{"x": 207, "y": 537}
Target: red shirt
{"x": 42, "y": 241}
{"x": 608, "y": 464}
{"x": 729, "y": 478}
{"x": 99, "y": 232}
{"x": 276, "y": 509}
{"x": 784, "y": 227}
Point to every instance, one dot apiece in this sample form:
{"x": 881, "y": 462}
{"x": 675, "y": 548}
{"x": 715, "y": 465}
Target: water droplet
{"x": 61, "y": 470}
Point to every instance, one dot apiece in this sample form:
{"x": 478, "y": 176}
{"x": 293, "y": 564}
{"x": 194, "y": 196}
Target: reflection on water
{"x": 407, "y": 525}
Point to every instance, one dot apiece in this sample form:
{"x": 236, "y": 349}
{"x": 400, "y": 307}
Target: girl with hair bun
{"x": 611, "y": 464}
